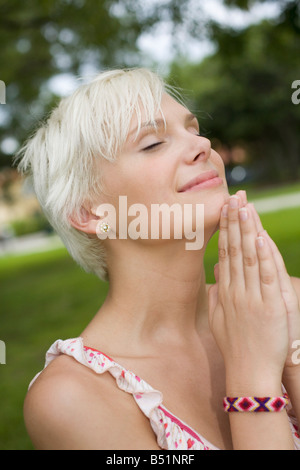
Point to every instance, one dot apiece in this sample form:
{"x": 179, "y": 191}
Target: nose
{"x": 199, "y": 149}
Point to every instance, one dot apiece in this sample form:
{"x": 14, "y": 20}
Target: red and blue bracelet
{"x": 256, "y": 404}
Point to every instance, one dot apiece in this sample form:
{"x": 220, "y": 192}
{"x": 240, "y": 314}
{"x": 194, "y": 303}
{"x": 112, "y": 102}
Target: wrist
{"x": 256, "y": 404}
{"x": 291, "y": 374}
{"x": 253, "y": 384}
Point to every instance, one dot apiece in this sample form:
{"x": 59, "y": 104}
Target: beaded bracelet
{"x": 255, "y": 404}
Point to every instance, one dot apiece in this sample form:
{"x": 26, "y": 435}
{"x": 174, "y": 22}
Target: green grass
{"x": 256, "y": 193}
{"x": 45, "y": 296}
{"x": 283, "y": 227}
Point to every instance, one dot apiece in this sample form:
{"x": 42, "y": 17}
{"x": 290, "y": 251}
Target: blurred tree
{"x": 42, "y": 38}
{"x": 244, "y": 91}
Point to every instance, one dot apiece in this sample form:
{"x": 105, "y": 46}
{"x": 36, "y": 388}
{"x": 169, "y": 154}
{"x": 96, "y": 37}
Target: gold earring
{"x": 104, "y": 227}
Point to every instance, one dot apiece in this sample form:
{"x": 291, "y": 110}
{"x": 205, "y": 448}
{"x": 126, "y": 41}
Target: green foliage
{"x": 41, "y": 39}
{"x": 29, "y": 225}
{"x": 244, "y": 90}
{"x": 243, "y": 94}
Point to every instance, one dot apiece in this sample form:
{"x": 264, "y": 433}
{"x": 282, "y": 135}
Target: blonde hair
{"x": 62, "y": 156}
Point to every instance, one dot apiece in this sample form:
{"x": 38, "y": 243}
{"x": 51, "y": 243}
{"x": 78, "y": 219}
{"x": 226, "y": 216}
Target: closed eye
{"x": 152, "y": 146}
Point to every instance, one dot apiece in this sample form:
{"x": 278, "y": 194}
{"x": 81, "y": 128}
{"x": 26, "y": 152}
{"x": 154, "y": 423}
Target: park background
{"x": 235, "y": 61}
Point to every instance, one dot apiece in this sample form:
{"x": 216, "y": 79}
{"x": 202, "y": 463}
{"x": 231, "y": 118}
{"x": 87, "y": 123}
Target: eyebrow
{"x": 157, "y": 123}
{"x": 147, "y": 126}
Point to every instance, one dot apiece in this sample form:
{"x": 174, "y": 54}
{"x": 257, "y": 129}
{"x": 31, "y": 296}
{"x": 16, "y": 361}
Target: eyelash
{"x": 152, "y": 146}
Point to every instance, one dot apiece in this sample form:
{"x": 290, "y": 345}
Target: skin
{"x": 174, "y": 314}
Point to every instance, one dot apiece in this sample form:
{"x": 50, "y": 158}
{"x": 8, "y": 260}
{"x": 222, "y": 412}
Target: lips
{"x": 206, "y": 176}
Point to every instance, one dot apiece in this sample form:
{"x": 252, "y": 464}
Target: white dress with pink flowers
{"x": 172, "y": 433}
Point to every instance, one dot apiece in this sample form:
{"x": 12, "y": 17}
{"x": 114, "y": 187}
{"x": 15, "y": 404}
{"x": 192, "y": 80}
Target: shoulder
{"x": 69, "y": 407}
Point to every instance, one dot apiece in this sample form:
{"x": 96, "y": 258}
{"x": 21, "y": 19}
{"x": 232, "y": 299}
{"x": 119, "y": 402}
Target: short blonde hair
{"x": 62, "y": 156}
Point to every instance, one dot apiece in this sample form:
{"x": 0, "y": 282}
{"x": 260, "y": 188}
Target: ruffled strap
{"x": 170, "y": 431}
{"x": 100, "y": 363}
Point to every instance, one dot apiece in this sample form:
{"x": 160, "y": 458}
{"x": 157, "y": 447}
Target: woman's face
{"x": 159, "y": 166}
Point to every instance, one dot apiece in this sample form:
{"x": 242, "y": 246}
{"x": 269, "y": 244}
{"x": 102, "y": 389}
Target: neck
{"x": 157, "y": 296}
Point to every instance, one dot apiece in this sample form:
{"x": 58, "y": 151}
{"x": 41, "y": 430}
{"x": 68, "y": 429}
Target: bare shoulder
{"x": 69, "y": 407}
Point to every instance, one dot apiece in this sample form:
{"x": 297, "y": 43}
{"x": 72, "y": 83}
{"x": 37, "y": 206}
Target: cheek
{"x": 213, "y": 207}
{"x": 148, "y": 186}
{"x": 218, "y": 162}
{"x": 140, "y": 186}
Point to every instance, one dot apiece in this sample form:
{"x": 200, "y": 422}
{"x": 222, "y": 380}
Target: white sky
{"x": 158, "y": 47}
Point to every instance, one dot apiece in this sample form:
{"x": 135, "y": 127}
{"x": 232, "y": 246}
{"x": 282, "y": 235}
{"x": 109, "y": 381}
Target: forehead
{"x": 169, "y": 109}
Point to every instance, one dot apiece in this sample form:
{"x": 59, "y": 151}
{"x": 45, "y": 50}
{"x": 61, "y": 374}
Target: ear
{"x": 86, "y": 222}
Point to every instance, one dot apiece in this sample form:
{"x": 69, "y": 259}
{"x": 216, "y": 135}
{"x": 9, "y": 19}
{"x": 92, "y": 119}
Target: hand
{"x": 291, "y": 303}
{"x": 247, "y": 313}
{"x": 288, "y": 293}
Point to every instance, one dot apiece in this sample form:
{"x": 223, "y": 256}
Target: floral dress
{"x": 172, "y": 433}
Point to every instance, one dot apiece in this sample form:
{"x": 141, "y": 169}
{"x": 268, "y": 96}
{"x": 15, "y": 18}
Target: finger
{"x": 259, "y": 225}
{"x": 276, "y": 253}
{"x": 213, "y": 296}
{"x": 216, "y": 272}
{"x": 212, "y": 300}
{"x": 224, "y": 271}
{"x": 269, "y": 282}
{"x": 243, "y": 197}
{"x": 234, "y": 241}
{"x": 250, "y": 260}
{"x": 286, "y": 286}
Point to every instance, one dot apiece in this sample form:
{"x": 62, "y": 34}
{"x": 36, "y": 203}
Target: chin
{"x": 214, "y": 201}
{"x": 212, "y": 211}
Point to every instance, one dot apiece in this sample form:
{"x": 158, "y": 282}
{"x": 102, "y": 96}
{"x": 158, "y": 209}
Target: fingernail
{"x": 243, "y": 213}
{"x": 260, "y": 241}
{"x": 225, "y": 210}
{"x": 234, "y": 202}
{"x": 262, "y": 233}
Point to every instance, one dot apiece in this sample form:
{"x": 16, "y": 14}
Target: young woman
{"x": 162, "y": 361}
